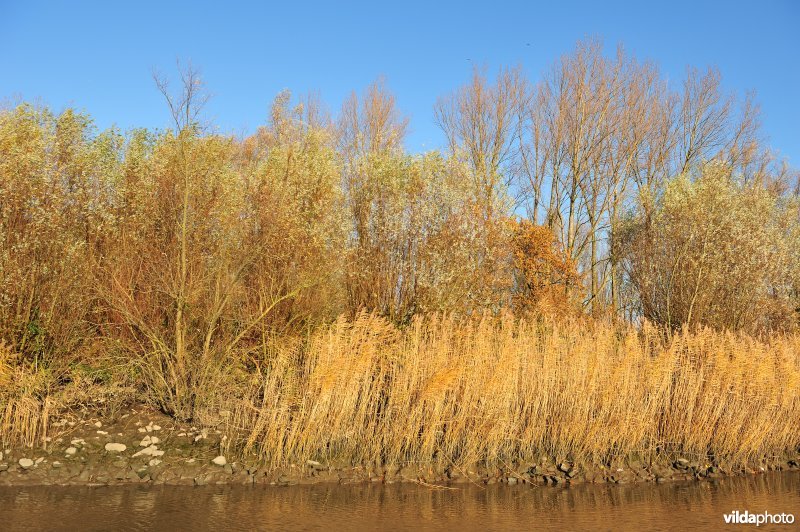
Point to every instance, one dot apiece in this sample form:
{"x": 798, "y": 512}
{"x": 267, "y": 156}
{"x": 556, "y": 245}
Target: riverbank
{"x": 141, "y": 445}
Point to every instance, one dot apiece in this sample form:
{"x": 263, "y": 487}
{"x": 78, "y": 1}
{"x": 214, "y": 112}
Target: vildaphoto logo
{"x": 746, "y": 518}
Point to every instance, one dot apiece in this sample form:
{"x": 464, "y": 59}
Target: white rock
{"x": 116, "y": 447}
{"x": 39, "y": 460}
{"x": 146, "y": 441}
{"x": 219, "y": 460}
{"x": 104, "y": 433}
{"x": 156, "y": 427}
{"x": 98, "y": 424}
{"x": 142, "y": 429}
{"x": 25, "y": 463}
{"x": 152, "y": 450}
{"x": 70, "y": 451}
{"x": 154, "y": 462}
{"x": 77, "y": 441}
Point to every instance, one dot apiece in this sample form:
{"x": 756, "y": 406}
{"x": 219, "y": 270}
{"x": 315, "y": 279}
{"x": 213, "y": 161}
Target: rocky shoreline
{"x": 144, "y": 446}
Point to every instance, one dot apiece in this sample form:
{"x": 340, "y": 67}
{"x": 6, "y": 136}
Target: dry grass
{"x": 31, "y": 396}
{"x": 24, "y": 417}
{"x": 500, "y": 389}
{"x": 24, "y": 420}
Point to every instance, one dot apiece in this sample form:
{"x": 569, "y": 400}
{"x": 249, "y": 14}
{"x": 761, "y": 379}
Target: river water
{"x": 669, "y": 506}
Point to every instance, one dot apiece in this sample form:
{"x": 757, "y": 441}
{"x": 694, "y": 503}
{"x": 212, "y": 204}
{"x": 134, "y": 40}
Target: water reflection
{"x": 677, "y": 506}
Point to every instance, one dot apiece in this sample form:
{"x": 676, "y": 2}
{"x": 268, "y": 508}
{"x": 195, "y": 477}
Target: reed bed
{"x": 24, "y": 414}
{"x": 498, "y": 389}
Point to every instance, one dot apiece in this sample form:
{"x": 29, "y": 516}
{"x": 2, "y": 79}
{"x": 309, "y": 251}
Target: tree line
{"x": 600, "y": 190}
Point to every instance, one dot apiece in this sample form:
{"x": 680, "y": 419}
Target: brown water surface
{"x": 669, "y": 506}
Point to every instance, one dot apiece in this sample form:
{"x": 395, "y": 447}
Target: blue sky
{"x": 98, "y": 56}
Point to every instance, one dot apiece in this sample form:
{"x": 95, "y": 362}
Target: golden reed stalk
{"x": 458, "y": 392}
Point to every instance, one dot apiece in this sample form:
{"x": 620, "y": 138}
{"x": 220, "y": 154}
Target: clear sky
{"x": 98, "y": 56}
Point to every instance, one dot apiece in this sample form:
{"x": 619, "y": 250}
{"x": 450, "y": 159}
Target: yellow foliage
{"x": 717, "y": 253}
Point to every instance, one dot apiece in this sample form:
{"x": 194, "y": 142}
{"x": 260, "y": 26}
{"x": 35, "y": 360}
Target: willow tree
{"x": 208, "y": 244}
{"x": 481, "y": 122}
{"x": 720, "y": 252}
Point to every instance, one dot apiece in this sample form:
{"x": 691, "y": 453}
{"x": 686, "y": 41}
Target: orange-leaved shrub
{"x": 544, "y": 273}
